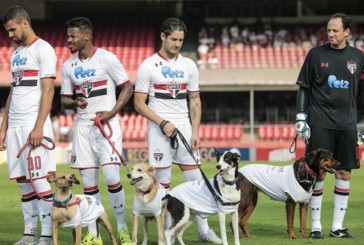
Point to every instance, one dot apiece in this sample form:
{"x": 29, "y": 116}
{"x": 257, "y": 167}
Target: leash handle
{"x": 207, "y": 182}
{"x": 108, "y": 137}
{"x": 51, "y": 147}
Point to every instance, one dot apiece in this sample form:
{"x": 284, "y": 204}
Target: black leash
{"x": 174, "y": 143}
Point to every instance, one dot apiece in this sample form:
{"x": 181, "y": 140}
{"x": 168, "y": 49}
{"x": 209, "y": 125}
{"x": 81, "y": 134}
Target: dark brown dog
{"x": 292, "y": 184}
{"x": 67, "y": 207}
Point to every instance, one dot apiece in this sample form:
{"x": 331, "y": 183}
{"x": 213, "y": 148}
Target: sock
{"x": 202, "y": 225}
{"x": 341, "y": 198}
{"x": 117, "y": 202}
{"x": 29, "y": 204}
{"x": 92, "y": 229}
{"x": 163, "y": 176}
{"x": 45, "y": 208}
{"x": 90, "y": 178}
{"x": 315, "y": 205}
{"x": 193, "y": 174}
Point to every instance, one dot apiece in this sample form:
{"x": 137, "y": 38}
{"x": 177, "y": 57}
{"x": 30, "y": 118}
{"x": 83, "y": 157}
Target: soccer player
{"x": 93, "y": 74}
{"x": 329, "y": 81}
{"x": 167, "y": 79}
{"x": 33, "y": 70}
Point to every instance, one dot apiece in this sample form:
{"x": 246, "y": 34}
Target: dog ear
{"x": 217, "y": 154}
{"x": 75, "y": 180}
{"x": 236, "y": 157}
{"x": 311, "y": 157}
{"x": 151, "y": 170}
{"x": 51, "y": 177}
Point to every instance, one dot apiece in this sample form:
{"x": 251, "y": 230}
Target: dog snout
{"x": 128, "y": 175}
{"x": 218, "y": 166}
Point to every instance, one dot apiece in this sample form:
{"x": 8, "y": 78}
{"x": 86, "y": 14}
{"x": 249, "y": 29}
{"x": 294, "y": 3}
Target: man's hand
{"x": 302, "y": 128}
{"x": 81, "y": 102}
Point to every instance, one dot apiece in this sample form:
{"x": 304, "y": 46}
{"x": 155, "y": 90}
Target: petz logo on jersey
{"x": 351, "y": 65}
{"x": 168, "y": 73}
{"x": 18, "y": 61}
{"x": 333, "y": 82}
{"x": 79, "y": 72}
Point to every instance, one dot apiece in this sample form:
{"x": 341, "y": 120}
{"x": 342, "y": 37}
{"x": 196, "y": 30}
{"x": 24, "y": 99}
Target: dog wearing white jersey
{"x": 291, "y": 184}
{"x": 194, "y": 198}
{"x": 75, "y": 211}
{"x": 147, "y": 201}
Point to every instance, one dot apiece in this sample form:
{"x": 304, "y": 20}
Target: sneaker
{"x": 341, "y": 233}
{"x": 210, "y": 236}
{"x": 45, "y": 241}
{"x": 316, "y": 235}
{"x": 90, "y": 239}
{"x": 27, "y": 240}
{"x": 124, "y": 237}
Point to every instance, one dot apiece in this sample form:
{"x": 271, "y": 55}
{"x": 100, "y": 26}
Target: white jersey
{"x": 95, "y": 79}
{"x": 28, "y": 66}
{"x": 276, "y": 181}
{"x": 197, "y": 196}
{"x": 152, "y": 208}
{"x": 88, "y": 210}
{"x": 167, "y": 83}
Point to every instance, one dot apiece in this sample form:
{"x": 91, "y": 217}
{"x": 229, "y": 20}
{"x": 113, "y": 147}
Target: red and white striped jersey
{"x": 167, "y": 83}
{"x": 28, "y": 66}
{"x": 95, "y": 79}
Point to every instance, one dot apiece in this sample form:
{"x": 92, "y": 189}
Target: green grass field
{"x": 267, "y": 223}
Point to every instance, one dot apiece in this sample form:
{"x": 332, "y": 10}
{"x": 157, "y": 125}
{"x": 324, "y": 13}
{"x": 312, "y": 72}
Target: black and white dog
{"x": 192, "y": 198}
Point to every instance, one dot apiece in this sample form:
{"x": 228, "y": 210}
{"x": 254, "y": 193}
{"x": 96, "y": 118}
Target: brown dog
{"x": 75, "y": 211}
{"x": 292, "y": 184}
{"x": 147, "y": 201}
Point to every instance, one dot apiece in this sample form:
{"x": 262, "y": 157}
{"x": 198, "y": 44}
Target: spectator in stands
{"x": 168, "y": 78}
{"x": 212, "y": 61}
{"x": 93, "y": 73}
{"x": 26, "y": 119}
{"x": 330, "y": 78}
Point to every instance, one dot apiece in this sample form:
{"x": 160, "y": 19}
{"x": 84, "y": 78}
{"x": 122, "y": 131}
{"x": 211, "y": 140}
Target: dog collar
{"x": 65, "y": 203}
{"x": 309, "y": 170}
{"x": 227, "y": 182}
{"x": 147, "y": 191}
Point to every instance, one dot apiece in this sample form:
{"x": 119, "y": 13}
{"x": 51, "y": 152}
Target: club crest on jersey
{"x": 158, "y": 156}
{"x": 174, "y": 89}
{"x": 86, "y": 88}
{"x": 351, "y": 65}
{"x": 17, "y": 77}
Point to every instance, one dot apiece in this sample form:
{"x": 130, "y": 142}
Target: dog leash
{"x": 207, "y": 182}
{"x": 30, "y": 161}
{"x": 108, "y": 138}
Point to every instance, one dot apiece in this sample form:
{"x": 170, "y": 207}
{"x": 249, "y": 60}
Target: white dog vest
{"x": 276, "y": 181}
{"x": 152, "y": 208}
{"x": 89, "y": 210}
{"x": 196, "y": 196}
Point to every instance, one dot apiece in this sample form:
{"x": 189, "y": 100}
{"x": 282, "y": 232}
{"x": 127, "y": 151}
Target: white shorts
{"x": 91, "y": 149}
{"x": 162, "y": 155}
{"x": 43, "y": 159}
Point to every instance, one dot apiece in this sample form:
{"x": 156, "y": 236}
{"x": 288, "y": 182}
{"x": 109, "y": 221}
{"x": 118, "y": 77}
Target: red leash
{"x": 108, "y": 137}
{"x": 30, "y": 161}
